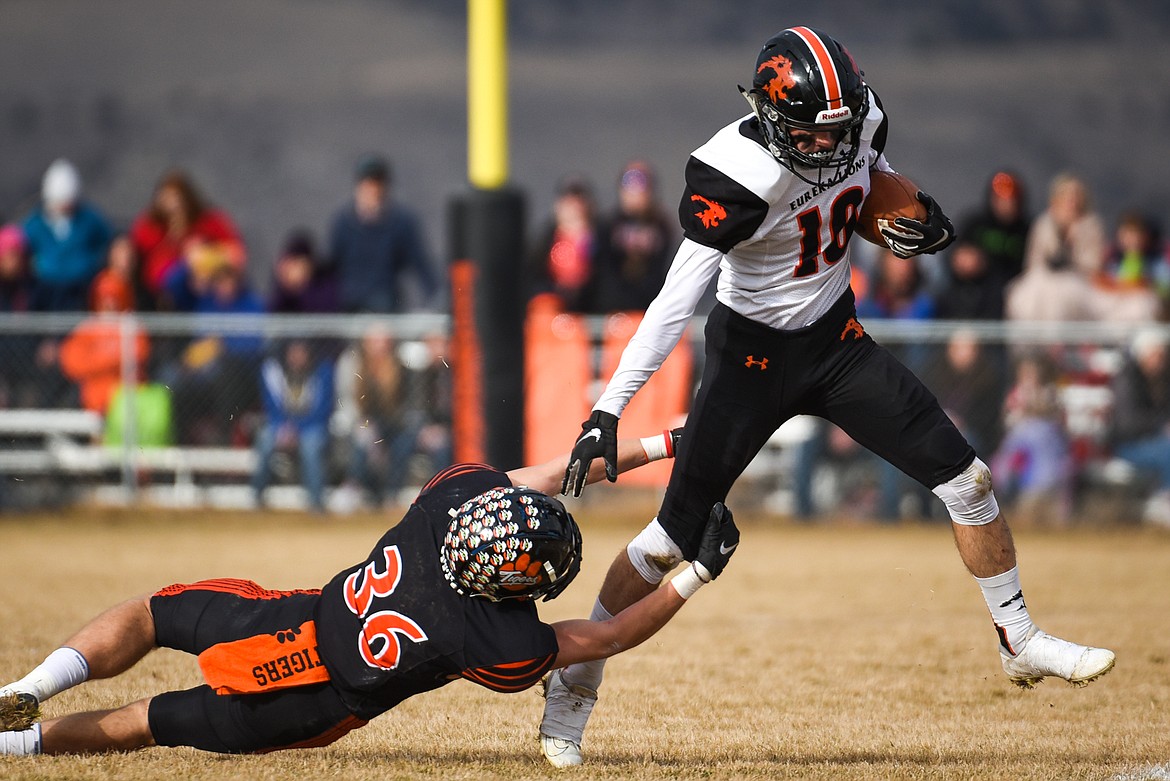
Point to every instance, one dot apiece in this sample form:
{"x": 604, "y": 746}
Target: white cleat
{"x": 561, "y": 753}
{"x": 1044, "y": 655}
{"x": 566, "y": 711}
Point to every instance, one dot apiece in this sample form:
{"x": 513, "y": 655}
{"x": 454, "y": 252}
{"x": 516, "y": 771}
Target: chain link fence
{"x": 227, "y": 411}
{"x": 339, "y": 413}
{"x": 1037, "y": 401}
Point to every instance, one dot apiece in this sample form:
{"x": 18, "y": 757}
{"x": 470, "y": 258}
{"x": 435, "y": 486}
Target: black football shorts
{"x": 197, "y": 616}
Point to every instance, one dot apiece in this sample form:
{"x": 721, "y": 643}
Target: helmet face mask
{"x": 806, "y": 81}
{"x": 511, "y": 543}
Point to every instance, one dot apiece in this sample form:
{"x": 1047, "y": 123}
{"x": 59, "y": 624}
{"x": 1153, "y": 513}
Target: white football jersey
{"x": 781, "y": 244}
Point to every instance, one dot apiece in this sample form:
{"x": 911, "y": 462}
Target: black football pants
{"x": 756, "y": 377}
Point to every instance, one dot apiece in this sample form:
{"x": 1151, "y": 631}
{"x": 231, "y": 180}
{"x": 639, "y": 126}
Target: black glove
{"x": 720, "y": 539}
{"x": 598, "y": 440}
{"x": 907, "y": 238}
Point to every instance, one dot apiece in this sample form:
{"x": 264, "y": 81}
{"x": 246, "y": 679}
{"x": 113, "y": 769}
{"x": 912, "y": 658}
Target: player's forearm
{"x": 581, "y": 640}
{"x": 641, "y": 620}
{"x": 632, "y": 453}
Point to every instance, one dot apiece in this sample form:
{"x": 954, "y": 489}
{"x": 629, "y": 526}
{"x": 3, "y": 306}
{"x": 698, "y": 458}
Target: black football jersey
{"x": 390, "y": 627}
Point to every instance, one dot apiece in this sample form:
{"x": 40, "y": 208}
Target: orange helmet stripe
{"x": 825, "y": 64}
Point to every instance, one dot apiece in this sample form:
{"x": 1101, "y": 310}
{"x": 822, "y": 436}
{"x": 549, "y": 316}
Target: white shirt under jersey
{"x": 786, "y": 274}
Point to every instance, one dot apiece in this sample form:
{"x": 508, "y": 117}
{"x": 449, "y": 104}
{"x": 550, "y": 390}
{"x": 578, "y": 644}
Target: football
{"x": 890, "y": 196}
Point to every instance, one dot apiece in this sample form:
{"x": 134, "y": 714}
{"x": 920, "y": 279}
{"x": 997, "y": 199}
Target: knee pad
{"x": 968, "y": 496}
{"x": 653, "y": 553}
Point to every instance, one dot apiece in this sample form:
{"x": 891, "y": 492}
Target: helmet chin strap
{"x": 750, "y": 98}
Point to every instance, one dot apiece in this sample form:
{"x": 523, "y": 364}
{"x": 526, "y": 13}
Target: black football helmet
{"x": 806, "y": 80}
{"x": 511, "y": 543}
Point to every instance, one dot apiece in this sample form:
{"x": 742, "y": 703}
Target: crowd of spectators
{"x": 1009, "y": 265}
{"x": 221, "y": 385}
{"x": 387, "y": 403}
{"x": 599, "y": 263}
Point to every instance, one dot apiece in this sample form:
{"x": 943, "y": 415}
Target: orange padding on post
{"x": 561, "y": 385}
{"x": 557, "y": 375}
{"x": 468, "y": 429}
{"x": 265, "y": 662}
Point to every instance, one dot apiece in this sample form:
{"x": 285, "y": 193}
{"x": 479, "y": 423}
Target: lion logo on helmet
{"x": 779, "y": 85}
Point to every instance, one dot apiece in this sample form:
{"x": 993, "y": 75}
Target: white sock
{"x": 61, "y": 670}
{"x": 1005, "y": 600}
{"x": 21, "y": 744}
{"x": 588, "y": 674}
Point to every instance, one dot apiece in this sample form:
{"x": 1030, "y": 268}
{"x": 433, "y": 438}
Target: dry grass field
{"x": 836, "y": 652}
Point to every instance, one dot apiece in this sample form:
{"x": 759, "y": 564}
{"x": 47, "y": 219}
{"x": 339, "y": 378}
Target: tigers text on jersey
{"x": 391, "y": 627}
{"x": 781, "y": 245}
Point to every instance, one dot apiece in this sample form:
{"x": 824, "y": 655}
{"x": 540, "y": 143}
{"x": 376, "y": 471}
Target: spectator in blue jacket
{"x": 374, "y": 242}
{"x": 214, "y": 383}
{"x": 297, "y": 393}
{"x": 66, "y": 239}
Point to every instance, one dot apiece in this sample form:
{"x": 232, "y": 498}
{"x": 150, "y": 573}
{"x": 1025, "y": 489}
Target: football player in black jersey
{"x": 771, "y": 202}
{"x": 448, "y": 593}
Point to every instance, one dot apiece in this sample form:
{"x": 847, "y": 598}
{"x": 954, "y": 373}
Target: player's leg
{"x": 886, "y": 408}
{"x": 108, "y": 645}
{"x": 735, "y": 411}
{"x": 312, "y": 445}
{"x": 1027, "y": 653}
{"x": 299, "y": 717}
{"x": 122, "y": 729}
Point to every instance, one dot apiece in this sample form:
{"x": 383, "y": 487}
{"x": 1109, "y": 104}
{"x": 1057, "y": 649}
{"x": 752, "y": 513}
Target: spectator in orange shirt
{"x": 92, "y": 354}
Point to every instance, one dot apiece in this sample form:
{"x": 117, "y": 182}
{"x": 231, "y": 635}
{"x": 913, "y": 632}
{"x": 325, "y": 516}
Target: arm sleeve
{"x": 507, "y": 647}
{"x": 666, "y": 318}
{"x": 513, "y": 676}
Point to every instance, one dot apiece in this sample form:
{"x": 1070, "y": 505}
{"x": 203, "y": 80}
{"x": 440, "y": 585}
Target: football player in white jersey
{"x": 771, "y": 201}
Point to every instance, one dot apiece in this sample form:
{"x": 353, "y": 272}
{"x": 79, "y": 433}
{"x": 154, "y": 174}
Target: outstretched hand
{"x": 907, "y": 238}
{"x": 598, "y": 440}
{"x": 720, "y": 539}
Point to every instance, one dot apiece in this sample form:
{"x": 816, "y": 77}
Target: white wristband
{"x": 687, "y": 582}
{"x": 658, "y": 446}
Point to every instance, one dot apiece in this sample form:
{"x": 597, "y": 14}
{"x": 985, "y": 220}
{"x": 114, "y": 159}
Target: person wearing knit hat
{"x": 61, "y": 187}
{"x": 66, "y": 239}
{"x": 300, "y": 281}
{"x": 11, "y": 239}
{"x": 15, "y": 283}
